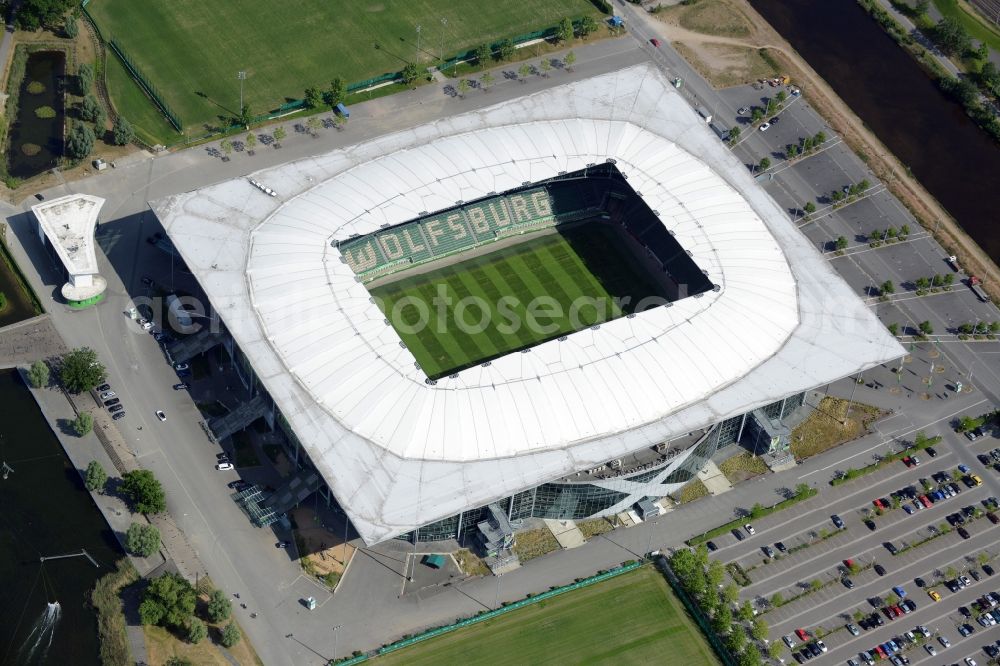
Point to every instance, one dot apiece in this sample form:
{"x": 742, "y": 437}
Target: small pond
{"x": 36, "y": 135}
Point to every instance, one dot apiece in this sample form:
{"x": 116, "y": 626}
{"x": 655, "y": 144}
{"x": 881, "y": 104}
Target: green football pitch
{"x": 192, "y": 50}
{"x": 479, "y": 309}
{"x": 631, "y": 619}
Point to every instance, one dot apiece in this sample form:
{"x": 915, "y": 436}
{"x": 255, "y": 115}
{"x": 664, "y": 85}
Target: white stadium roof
{"x": 399, "y": 452}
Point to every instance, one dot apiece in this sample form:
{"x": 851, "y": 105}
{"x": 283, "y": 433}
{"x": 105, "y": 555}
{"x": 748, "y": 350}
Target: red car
{"x": 878, "y": 503}
{"x": 926, "y": 502}
{"x": 908, "y": 461}
{"x": 880, "y": 651}
{"x": 655, "y": 42}
{"x": 802, "y": 634}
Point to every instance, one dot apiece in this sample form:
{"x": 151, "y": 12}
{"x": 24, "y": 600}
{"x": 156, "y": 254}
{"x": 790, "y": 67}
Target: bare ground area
{"x": 924, "y": 207}
{"x": 323, "y": 554}
{"x": 834, "y": 422}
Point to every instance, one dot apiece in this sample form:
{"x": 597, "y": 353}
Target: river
{"x": 954, "y": 160}
{"x": 44, "y": 510}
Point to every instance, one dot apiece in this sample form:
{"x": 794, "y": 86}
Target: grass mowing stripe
{"x": 452, "y": 352}
{"x": 506, "y": 287}
{"x": 489, "y": 341}
{"x": 534, "y": 265}
{"x": 425, "y": 350}
{"x": 574, "y": 277}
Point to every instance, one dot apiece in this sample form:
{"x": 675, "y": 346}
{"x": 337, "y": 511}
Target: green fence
{"x": 145, "y": 84}
{"x": 489, "y": 615}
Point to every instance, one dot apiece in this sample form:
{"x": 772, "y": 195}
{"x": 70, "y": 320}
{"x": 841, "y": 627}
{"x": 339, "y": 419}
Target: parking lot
{"x": 827, "y": 578}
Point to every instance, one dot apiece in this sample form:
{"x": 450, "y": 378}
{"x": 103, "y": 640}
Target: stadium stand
{"x": 596, "y": 193}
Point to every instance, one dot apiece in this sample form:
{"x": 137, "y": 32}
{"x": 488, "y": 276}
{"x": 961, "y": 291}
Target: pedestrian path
{"x": 566, "y": 533}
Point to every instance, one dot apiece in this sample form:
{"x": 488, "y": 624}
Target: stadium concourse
{"x": 584, "y": 424}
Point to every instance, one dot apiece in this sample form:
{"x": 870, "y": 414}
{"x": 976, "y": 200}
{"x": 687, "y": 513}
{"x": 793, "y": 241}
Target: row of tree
{"x": 703, "y": 579}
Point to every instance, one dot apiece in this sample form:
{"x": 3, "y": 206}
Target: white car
{"x": 749, "y": 529}
{"x": 146, "y": 325}
{"x": 930, "y": 649}
{"x": 160, "y": 415}
{"x": 765, "y": 127}
{"x": 223, "y": 467}
{"x": 821, "y": 645}
{"x": 970, "y": 661}
{"x": 789, "y": 641}
{"x": 944, "y": 641}
{"x": 107, "y": 395}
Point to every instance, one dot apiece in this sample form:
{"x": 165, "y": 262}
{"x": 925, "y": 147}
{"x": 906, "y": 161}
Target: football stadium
{"x": 558, "y": 306}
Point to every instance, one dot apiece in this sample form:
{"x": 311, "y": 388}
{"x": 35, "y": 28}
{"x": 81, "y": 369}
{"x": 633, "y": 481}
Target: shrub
{"x": 95, "y": 477}
{"x": 35, "y": 88}
{"x": 122, "y": 132}
{"x": 142, "y": 540}
{"x": 197, "y": 631}
{"x": 231, "y": 635}
{"x": 83, "y": 424}
{"x": 45, "y": 112}
{"x": 219, "y": 607}
{"x": 144, "y": 490}
{"x": 38, "y": 373}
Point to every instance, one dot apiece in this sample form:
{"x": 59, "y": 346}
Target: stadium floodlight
{"x": 242, "y": 76}
{"x": 418, "y": 42}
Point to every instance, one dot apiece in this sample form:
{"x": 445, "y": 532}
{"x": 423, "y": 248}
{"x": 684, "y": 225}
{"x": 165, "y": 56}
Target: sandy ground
{"x": 924, "y": 207}
{"x": 326, "y": 550}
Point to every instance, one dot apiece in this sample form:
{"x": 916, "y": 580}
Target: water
{"x": 18, "y": 305}
{"x": 44, "y": 135}
{"x": 954, "y": 160}
{"x": 44, "y": 510}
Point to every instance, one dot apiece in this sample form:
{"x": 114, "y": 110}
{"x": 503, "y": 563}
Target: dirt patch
{"x": 470, "y": 563}
{"x": 726, "y": 65}
{"x": 742, "y": 466}
{"x": 591, "y": 528}
{"x": 322, "y": 553}
{"x": 832, "y": 424}
{"x": 711, "y": 17}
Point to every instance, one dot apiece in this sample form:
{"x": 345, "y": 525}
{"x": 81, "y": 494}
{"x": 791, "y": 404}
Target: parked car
{"x": 160, "y": 415}
{"x": 118, "y": 415}
{"x": 765, "y": 127}
{"x": 889, "y": 546}
{"x": 870, "y": 524}
{"x": 900, "y": 592}
{"x": 103, "y": 387}
{"x": 789, "y": 641}
{"x": 931, "y": 650}
{"x": 180, "y": 367}
{"x": 181, "y": 386}
{"x": 749, "y": 528}
{"x": 107, "y": 395}
{"x": 879, "y": 569}
{"x": 283, "y": 544}
{"x": 853, "y": 629}
{"x": 933, "y": 594}
{"x": 222, "y": 467}
{"x": 768, "y": 551}
{"x": 711, "y": 546}
{"x": 739, "y": 535}
{"x": 964, "y": 581}
{"x": 655, "y": 42}
{"x": 838, "y": 523}
{"x": 931, "y": 451}
{"x": 965, "y": 630}
{"x": 780, "y": 546}
{"x": 848, "y": 583}
{"x": 743, "y": 110}
{"x": 113, "y": 401}
{"x": 116, "y": 408}
{"x": 802, "y": 634}
{"x": 987, "y": 569}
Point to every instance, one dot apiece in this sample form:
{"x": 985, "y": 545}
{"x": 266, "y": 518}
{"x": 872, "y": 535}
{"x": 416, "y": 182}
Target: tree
{"x": 922, "y": 283}
{"x": 791, "y": 150}
{"x": 777, "y": 599}
{"x": 169, "y": 600}
{"x": 335, "y": 93}
{"x": 893, "y": 328}
{"x": 836, "y": 195}
{"x": 951, "y": 36}
{"x": 483, "y": 54}
{"x": 463, "y": 87}
{"x": 35, "y": 13}
{"x": 745, "y": 612}
{"x": 71, "y": 28}
{"x": 888, "y": 287}
{"x": 809, "y": 208}
{"x": 38, "y": 374}
{"x": 80, "y": 370}
{"x": 506, "y": 49}
{"x": 960, "y": 89}
{"x": 759, "y": 628}
{"x": 937, "y": 280}
{"x": 95, "y": 478}
{"x": 251, "y": 142}
{"x": 546, "y": 66}
{"x": 781, "y": 96}
{"x": 802, "y": 489}
{"x": 926, "y": 328}
{"x": 409, "y": 73}
{"x": 89, "y": 108}
{"x": 486, "y": 80}
{"x": 729, "y": 594}
{"x": 772, "y": 106}
{"x": 775, "y": 650}
{"x": 144, "y": 490}
{"x": 807, "y": 144}
{"x": 564, "y": 32}
{"x": 83, "y": 424}
{"x": 227, "y": 147}
{"x": 122, "y": 132}
{"x": 245, "y": 117}
{"x": 279, "y": 134}
{"x": 756, "y": 113}
{"x": 736, "y": 641}
{"x": 231, "y": 635}
{"x": 982, "y": 558}
{"x": 142, "y": 540}
{"x": 570, "y": 60}
{"x": 734, "y": 135}
{"x": 904, "y": 230}
{"x": 715, "y": 575}
{"x": 313, "y": 97}
{"x": 524, "y": 71}
{"x": 749, "y": 657}
{"x": 840, "y": 243}
{"x": 815, "y": 584}
{"x": 80, "y": 141}
{"x": 722, "y": 621}
{"x": 197, "y": 631}
{"x": 921, "y": 7}
{"x": 765, "y": 164}
{"x": 219, "y": 608}
{"x": 587, "y": 26}
{"x": 84, "y": 78}
{"x": 820, "y": 137}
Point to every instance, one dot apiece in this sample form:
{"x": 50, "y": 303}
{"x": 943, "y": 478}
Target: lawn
{"x": 631, "y": 619}
{"x": 971, "y": 20}
{"x": 192, "y": 50}
{"x": 492, "y": 297}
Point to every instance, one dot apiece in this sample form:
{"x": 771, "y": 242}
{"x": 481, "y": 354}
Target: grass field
{"x": 631, "y": 619}
{"x": 581, "y": 265}
{"x": 191, "y": 50}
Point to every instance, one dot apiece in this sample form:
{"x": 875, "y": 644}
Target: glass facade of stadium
{"x": 605, "y": 491}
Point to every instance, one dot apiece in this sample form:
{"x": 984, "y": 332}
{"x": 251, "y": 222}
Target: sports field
{"x": 631, "y": 619}
{"x": 191, "y": 49}
{"x": 513, "y": 298}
